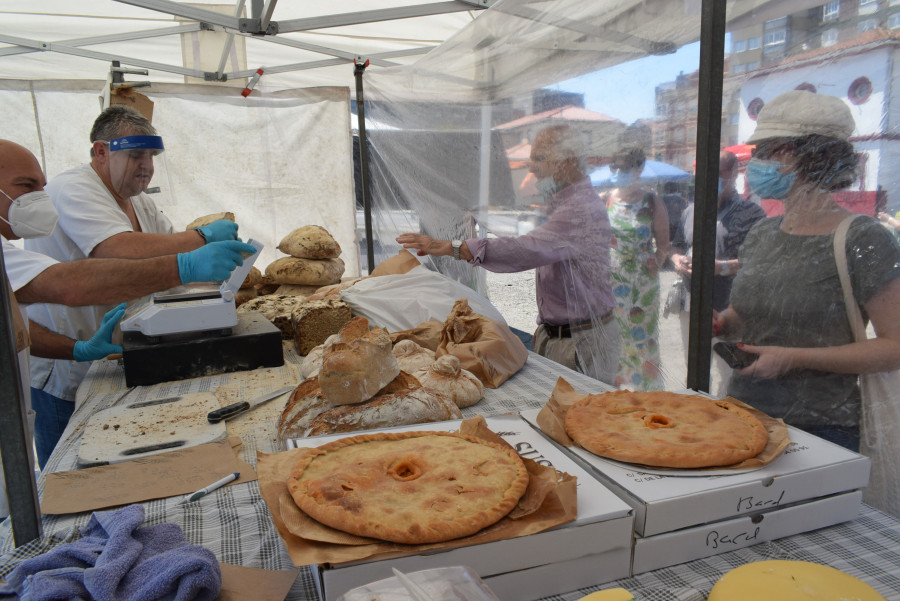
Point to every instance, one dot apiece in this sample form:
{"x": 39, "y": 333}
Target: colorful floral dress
{"x": 635, "y": 282}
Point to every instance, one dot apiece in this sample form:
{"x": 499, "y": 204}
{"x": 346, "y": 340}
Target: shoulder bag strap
{"x": 840, "y": 257}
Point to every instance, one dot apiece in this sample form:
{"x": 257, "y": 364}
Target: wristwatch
{"x": 456, "y": 244}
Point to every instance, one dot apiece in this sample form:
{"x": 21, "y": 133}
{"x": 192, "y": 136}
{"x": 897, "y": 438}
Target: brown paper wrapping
{"x": 549, "y": 501}
{"x": 427, "y": 334}
{"x": 402, "y": 262}
{"x": 552, "y": 421}
{"x": 485, "y": 347}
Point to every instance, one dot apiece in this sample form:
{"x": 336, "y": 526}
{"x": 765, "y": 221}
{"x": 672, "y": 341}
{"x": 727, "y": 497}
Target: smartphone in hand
{"x": 735, "y": 358}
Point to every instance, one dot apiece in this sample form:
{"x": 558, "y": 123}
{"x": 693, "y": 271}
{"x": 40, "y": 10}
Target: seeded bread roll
{"x": 310, "y": 242}
{"x": 309, "y": 272}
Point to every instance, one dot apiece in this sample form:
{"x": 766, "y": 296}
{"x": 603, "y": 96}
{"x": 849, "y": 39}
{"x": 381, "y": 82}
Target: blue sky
{"x": 626, "y": 91}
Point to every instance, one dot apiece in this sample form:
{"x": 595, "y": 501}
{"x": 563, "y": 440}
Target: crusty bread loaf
{"x": 401, "y": 403}
{"x": 310, "y": 242}
{"x": 297, "y": 290}
{"x": 304, "y": 405}
{"x": 275, "y": 308}
{"x": 312, "y": 362}
{"x": 243, "y": 295}
{"x": 309, "y": 272}
{"x": 314, "y": 321}
{"x": 267, "y": 285}
{"x": 411, "y": 357}
{"x": 207, "y": 219}
{"x": 333, "y": 290}
{"x": 355, "y": 368}
{"x": 253, "y": 278}
{"x": 446, "y": 376}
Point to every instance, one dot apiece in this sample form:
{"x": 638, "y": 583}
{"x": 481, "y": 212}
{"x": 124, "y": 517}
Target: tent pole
{"x": 15, "y": 445}
{"x": 709, "y": 133}
{"x": 358, "y": 68}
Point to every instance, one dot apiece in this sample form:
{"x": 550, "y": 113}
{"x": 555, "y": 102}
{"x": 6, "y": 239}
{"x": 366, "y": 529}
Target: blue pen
{"x": 215, "y": 485}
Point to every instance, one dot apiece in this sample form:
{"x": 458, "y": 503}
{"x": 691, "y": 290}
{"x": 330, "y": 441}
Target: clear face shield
{"x": 137, "y": 164}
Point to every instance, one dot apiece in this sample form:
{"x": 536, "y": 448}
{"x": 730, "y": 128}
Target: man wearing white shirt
{"x": 26, "y": 211}
{"x": 103, "y": 213}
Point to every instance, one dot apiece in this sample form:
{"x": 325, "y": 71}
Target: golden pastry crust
{"x": 409, "y": 487}
{"x": 665, "y": 429}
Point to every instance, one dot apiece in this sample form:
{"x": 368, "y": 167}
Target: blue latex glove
{"x": 220, "y": 230}
{"x": 99, "y": 346}
{"x": 213, "y": 262}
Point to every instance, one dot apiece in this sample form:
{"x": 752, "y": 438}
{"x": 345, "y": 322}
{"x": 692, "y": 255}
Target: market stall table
{"x": 235, "y": 524}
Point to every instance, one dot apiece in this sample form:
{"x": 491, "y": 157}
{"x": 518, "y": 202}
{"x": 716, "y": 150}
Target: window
{"x": 860, "y": 90}
{"x": 831, "y": 11}
{"x": 867, "y": 7}
{"x": 754, "y": 107}
{"x": 774, "y": 38}
{"x": 753, "y": 43}
{"x": 894, "y": 21}
{"x": 739, "y": 46}
{"x": 661, "y": 109}
{"x": 752, "y": 65}
{"x": 739, "y": 68}
{"x": 829, "y": 37}
{"x": 734, "y": 118}
{"x": 867, "y": 25}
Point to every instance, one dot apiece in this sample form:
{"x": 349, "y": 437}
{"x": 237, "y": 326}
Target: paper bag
{"x": 427, "y": 334}
{"x": 485, "y": 347}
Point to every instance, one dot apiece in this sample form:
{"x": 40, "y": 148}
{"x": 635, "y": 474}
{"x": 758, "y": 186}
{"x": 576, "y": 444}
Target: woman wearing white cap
{"x": 787, "y": 303}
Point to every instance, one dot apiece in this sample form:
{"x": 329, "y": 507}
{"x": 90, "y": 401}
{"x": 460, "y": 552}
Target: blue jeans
{"x": 51, "y": 417}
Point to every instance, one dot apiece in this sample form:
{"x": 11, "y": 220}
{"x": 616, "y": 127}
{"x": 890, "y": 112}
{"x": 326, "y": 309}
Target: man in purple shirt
{"x": 570, "y": 256}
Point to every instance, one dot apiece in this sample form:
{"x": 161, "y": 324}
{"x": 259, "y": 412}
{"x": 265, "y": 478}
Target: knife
{"x": 236, "y": 409}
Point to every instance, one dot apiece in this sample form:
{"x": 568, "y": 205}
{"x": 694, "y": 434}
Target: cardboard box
{"x": 136, "y": 100}
{"x": 594, "y": 549}
{"x": 662, "y": 550}
{"x": 810, "y": 468}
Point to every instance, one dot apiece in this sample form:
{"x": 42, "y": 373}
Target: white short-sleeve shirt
{"x": 88, "y": 215}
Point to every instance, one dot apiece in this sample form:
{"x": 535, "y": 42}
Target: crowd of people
{"x": 776, "y": 286}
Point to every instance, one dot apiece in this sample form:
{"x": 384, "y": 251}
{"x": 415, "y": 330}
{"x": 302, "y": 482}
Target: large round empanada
{"x": 665, "y": 429}
{"x": 409, "y": 487}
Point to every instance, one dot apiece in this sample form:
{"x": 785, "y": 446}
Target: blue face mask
{"x": 621, "y": 178}
{"x": 767, "y": 181}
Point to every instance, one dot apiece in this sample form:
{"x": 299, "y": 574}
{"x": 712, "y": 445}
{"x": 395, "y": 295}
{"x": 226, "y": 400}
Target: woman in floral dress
{"x": 640, "y": 227}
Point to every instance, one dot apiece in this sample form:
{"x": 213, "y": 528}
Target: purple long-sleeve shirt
{"x": 569, "y": 253}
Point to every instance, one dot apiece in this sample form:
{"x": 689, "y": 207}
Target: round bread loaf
{"x": 446, "y": 375}
{"x": 411, "y": 357}
{"x": 309, "y": 272}
{"x": 207, "y": 219}
{"x": 310, "y": 242}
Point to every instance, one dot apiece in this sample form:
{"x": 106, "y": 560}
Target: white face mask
{"x": 32, "y": 215}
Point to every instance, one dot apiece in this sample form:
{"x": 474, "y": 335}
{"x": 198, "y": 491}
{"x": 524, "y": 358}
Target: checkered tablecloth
{"x": 235, "y": 523}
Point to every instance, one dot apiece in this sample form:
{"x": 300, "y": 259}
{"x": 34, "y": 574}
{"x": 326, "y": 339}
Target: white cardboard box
{"x": 809, "y": 468}
{"x": 594, "y": 549}
{"x": 670, "y": 548}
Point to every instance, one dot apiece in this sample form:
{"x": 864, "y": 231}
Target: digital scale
{"x": 195, "y": 330}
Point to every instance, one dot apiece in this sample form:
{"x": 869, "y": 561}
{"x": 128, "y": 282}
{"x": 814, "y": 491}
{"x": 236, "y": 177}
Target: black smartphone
{"x": 735, "y": 358}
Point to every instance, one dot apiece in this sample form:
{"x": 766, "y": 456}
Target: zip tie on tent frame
{"x": 252, "y": 83}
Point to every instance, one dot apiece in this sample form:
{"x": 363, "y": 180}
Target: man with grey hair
{"x": 570, "y": 256}
{"x": 103, "y": 213}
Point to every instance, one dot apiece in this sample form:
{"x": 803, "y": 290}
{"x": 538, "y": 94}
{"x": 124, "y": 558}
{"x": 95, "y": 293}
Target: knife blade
{"x": 238, "y": 408}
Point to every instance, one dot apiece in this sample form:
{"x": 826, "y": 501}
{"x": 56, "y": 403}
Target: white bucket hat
{"x": 800, "y": 113}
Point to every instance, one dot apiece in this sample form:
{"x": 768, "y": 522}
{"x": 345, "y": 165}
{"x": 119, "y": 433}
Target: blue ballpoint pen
{"x": 215, "y": 485}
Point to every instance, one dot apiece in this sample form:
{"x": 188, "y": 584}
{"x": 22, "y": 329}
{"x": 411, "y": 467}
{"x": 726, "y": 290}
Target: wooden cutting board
{"x": 149, "y": 427}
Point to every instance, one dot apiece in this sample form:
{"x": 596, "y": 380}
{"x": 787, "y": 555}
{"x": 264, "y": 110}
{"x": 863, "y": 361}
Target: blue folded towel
{"x": 118, "y": 560}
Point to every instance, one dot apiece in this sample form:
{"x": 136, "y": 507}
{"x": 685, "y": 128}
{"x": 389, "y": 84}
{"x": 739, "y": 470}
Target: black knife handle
{"x": 218, "y": 415}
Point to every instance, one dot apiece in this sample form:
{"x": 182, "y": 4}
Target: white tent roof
{"x": 309, "y": 43}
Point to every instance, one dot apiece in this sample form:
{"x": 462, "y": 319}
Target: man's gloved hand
{"x": 213, "y": 262}
{"x": 220, "y": 230}
{"x": 99, "y": 346}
